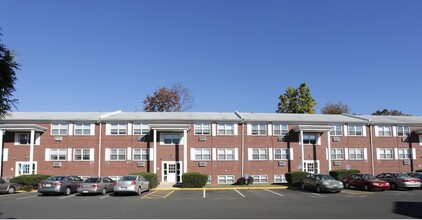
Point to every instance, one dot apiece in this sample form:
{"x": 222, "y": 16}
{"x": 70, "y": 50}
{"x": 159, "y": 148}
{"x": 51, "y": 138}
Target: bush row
{"x": 296, "y": 177}
{"x": 194, "y": 180}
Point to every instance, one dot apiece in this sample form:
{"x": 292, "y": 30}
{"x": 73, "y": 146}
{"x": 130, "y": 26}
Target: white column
{"x": 31, "y": 151}
{"x": 329, "y": 150}
{"x": 302, "y": 151}
{"x": 155, "y": 151}
{"x": 1, "y": 152}
{"x": 185, "y": 151}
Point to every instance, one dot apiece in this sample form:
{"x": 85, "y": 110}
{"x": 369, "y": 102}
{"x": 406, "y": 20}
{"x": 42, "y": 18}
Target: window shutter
{"x": 345, "y": 131}
{"x": 92, "y": 129}
{"x": 47, "y": 154}
{"x": 376, "y": 130}
{"x": 108, "y": 129}
{"x": 17, "y": 138}
{"x": 378, "y": 153}
{"x": 249, "y": 154}
{"x": 37, "y": 139}
{"x": 248, "y": 129}
{"x": 214, "y": 153}
{"x": 129, "y": 128}
{"x": 69, "y": 154}
{"x": 346, "y": 153}
{"x": 364, "y": 130}
{"x": 129, "y": 153}
{"x": 235, "y": 127}
{"x": 270, "y": 153}
{"x": 214, "y": 129}
{"x": 151, "y": 154}
{"x": 414, "y": 153}
{"x": 394, "y": 131}
{"x": 5, "y": 154}
{"x": 365, "y": 154}
{"x": 326, "y": 153}
{"x": 318, "y": 136}
{"x": 107, "y": 154}
{"x": 396, "y": 154}
{"x": 70, "y": 129}
{"x": 236, "y": 154}
{"x": 91, "y": 154}
{"x": 291, "y": 154}
{"x": 192, "y": 154}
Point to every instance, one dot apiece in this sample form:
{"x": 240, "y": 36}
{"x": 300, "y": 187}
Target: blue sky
{"x": 108, "y": 55}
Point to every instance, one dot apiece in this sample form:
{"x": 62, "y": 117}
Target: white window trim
{"x": 225, "y": 178}
{"x": 108, "y": 153}
{"x": 179, "y": 135}
{"x": 5, "y": 154}
{"x": 383, "y": 149}
{"x": 48, "y": 152}
{"x": 288, "y": 151}
{"x": 120, "y": 126}
{"x": 282, "y": 177}
{"x": 364, "y": 151}
{"x": 258, "y": 178}
{"x": 60, "y": 124}
{"x": 274, "y": 126}
{"x": 193, "y": 154}
{"x": 250, "y": 154}
{"x": 37, "y": 138}
{"x": 259, "y": 125}
{"x": 202, "y": 128}
{"x": 341, "y": 131}
{"x": 217, "y": 154}
{"x": 91, "y": 154}
{"x": 91, "y": 129}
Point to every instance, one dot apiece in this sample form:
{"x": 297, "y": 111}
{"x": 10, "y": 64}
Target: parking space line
{"x": 162, "y": 194}
{"x": 106, "y": 196}
{"x": 27, "y": 197}
{"x": 273, "y": 192}
{"x": 66, "y": 197}
{"x": 239, "y": 193}
{"x": 353, "y": 192}
{"x": 204, "y": 194}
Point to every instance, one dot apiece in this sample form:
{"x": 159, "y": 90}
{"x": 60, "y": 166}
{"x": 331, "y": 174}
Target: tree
{"x": 8, "y": 66}
{"x": 174, "y": 99}
{"x": 338, "y": 108}
{"x": 390, "y": 112}
{"x": 297, "y": 101}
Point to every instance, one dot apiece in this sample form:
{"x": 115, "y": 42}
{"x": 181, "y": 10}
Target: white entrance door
{"x": 171, "y": 171}
{"x": 22, "y": 168}
{"x": 311, "y": 166}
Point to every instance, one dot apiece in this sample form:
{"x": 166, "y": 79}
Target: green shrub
{"x": 342, "y": 173}
{"x": 29, "y": 182}
{"x": 194, "y": 180}
{"x": 242, "y": 181}
{"x": 151, "y": 177}
{"x": 295, "y": 177}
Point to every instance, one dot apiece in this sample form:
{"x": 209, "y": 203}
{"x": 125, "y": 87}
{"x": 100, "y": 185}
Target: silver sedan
{"x": 96, "y": 185}
{"x": 131, "y": 184}
{"x": 321, "y": 182}
{"x": 400, "y": 180}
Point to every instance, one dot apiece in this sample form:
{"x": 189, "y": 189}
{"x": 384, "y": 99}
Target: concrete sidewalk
{"x": 172, "y": 186}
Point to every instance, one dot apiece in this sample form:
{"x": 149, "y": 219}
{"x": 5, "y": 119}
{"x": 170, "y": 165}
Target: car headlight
{"x": 325, "y": 184}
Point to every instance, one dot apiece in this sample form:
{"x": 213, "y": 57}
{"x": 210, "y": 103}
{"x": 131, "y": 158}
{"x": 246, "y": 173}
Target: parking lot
{"x": 206, "y": 204}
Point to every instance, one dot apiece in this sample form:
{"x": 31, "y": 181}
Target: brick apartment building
{"x": 225, "y": 146}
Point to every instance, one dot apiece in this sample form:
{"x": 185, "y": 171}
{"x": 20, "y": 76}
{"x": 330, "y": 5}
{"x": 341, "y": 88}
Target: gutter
{"x": 242, "y": 121}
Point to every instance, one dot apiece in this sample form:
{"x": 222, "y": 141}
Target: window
{"x": 337, "y": 154}
{"x": 202, "y": 154}
{"x": 384, "y": 131}
{"x": 140, "y": 129}
{"x": 140, "y": 154}
{"x": 279, "y": 178}
{"x": 24, "y": 138}
{"x": 309, "y": 138}
{"x": 259, "y": 129}
{"x": 170, "y": 138}
{"x": 58, "y": 154}
{"x": 356, "y": 154}
{"x": 59, "y": 129}
{"x": 226, "y": 179}
{"x": 117, "y": 129}
{"x": 280, "y": 129}
{"x": 225, "y": 129}
{"x": 385, "y": 153}
{"x": 82, "y": 129}
{"x": 202, "y": 129}
{"x": 118, "y": 154}
{"x": 281, "y": 154}
{"x": 403, "y": 131}
{"x": 355, "y": 130}
{"x": 259, "y": 154}
{"x": 82, "y": 154}
{"x": 226, "y": 154}
{"x": 405, "y": 153}
{"x": 209, "y": 179}
{"x": 260, "y": 178}
{"x": 337, "y": 130}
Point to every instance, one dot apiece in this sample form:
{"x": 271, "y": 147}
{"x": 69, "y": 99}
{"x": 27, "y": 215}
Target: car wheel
{"x": 67, "y": 191}
{"x": 347, "y": 185}
{"x": 11, "y": 190}
{"x": 393, "y": 186}
{"x": 318, "y": 189}
{"x": 139, "y": 191}
{"x": 104, "y": 191}
{"x": 366, "y": 188}
{"x": 149, "y": 188}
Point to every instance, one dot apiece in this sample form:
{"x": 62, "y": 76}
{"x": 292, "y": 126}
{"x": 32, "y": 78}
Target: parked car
{"x": 400, "y": 180}
{"x": 59, "y": 184}
{"x": 365, "y": 181}
{"x": 96, "y": 185}
{"x": 416, "y": 175}
{"x": 131, "y": 184}
{"x": 7, "y": 187}
{"x": 321, "y": 182}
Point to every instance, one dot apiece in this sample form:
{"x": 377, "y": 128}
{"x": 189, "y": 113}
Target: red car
{"x": 365, "y": 181}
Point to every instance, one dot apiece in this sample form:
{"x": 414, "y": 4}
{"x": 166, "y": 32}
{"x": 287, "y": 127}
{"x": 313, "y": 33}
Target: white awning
{"x": 22, "y": 127}
{"x": 313, "y": 128}
{"x": 169, "y": 127}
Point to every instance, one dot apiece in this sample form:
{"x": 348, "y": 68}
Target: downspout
{"x": 371, "y": 145}
{"x": 242, "y": 122}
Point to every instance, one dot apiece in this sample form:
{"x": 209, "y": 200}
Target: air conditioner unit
{"x": 202, "y": 164}
{"x": 336, "y": 139}
{"x": 406, "y": 162}
{"x": 281, "y": 163}
{"x": 404, "y": 139}
{"x": 57, "y": 164}
{"x": 140, "y": 164}
{"x": 202, "y": 138}
{"x": 336, "y": 163}
{"x": 58, "y": 139}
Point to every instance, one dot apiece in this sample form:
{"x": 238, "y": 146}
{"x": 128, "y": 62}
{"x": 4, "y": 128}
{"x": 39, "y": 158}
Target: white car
{"x": 131, "y": 184}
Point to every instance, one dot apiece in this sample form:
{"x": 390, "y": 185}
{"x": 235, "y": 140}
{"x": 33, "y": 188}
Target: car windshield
{"x": 368, "y": 177}
{"x": 401, "y": 175}
{"x": 128, "y": 178}
{"x": 93, "y": 180}
{"x": 56, "y": 178}
{"x": 323, "y": 177}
